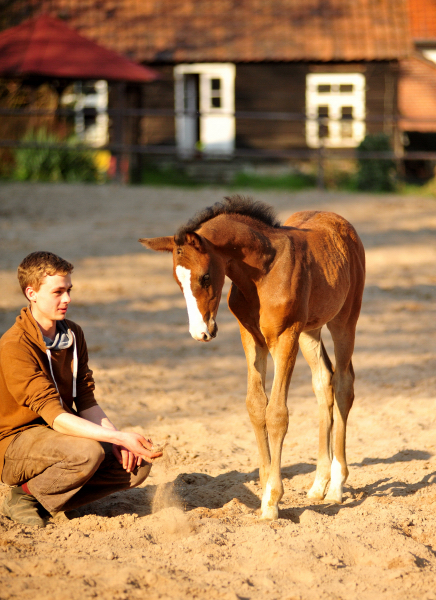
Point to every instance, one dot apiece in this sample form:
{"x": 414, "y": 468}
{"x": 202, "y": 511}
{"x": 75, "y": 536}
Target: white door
{"x": 205, "y": 108}
{"x": 187, "y": 125}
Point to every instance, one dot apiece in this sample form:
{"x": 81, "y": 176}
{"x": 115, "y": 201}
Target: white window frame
{"x": 341, "y": 133}
{"x": 97, "y": 134}
{"x": 217, "y": 124}
{"x": 429, "y": 54}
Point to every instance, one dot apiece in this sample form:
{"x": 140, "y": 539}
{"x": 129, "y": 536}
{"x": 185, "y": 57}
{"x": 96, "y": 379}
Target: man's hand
{"x": 134, "y": 450}
{"x": 126, "y": 458}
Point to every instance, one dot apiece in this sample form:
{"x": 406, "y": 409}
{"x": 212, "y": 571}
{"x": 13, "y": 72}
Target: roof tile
{"x": 243, "y": 30}
{"x": 423, "y": 19}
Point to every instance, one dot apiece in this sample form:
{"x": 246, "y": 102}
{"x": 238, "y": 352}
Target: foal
{"x": 287, "y": 282}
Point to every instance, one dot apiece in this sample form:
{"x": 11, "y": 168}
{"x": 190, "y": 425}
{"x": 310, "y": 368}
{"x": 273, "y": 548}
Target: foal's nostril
{"x": 213, "y": 329}
{"x": 205, "y": 338}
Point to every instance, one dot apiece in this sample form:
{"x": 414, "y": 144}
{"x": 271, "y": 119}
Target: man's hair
{"x": 37, "y": 265}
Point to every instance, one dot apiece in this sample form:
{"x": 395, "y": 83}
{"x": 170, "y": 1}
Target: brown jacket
{"x": 28, "y": 394}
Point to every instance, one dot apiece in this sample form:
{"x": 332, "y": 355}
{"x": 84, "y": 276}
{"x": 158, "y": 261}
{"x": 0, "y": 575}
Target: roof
{"x": 242, "y": 30}
{"x": 45, "y": 46}
{"x": 423, "y": 20}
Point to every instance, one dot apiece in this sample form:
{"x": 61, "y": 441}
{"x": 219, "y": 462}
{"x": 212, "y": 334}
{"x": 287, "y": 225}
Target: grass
{"x": 168, "y": 176}
{"x": 427, "y": 189}
{"x": 172, "y": 176}
{"x": 289, "y": 181}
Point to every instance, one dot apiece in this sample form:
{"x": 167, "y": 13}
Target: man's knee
{"x": 87, "y": 455}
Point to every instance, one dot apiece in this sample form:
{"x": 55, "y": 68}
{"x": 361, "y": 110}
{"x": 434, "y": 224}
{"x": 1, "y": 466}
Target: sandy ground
{"x": 192, "y": 530}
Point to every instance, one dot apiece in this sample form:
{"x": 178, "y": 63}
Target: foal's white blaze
{"x": 197, "y": 327}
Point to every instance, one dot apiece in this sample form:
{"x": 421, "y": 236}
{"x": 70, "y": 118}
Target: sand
{"x": 192, "y": 530}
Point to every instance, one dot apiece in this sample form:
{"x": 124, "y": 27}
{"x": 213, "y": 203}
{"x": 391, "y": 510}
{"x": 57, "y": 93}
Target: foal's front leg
{"x": 257, "y": 401}
{"x": 284, "y": 352}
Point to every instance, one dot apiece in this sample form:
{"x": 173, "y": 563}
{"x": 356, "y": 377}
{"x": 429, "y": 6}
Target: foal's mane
{"x": 236, "y": 205}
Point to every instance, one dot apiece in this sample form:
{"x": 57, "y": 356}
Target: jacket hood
{"x": 26, "y": 322}
{"x": 64, "y": 336}
{"x": 63, "y": 340}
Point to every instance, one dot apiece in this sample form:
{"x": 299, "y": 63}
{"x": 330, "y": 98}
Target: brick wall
{"x": 417, "y": 95}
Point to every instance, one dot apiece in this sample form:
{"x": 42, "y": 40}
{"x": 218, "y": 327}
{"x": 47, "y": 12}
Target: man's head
{"x": 33, "y": 269}
{"x": 45, "y": 280}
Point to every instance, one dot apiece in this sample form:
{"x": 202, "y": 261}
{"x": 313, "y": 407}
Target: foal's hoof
{"x": 270, "y": 513}
{"x": 333, "y": 497}
{"x": 317, "y": 491}
{"x": 315, "y": 496}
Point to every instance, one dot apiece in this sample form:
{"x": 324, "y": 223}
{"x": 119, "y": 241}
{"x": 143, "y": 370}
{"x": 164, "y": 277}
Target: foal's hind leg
{"x": 343, "y": 386}
{"x": 315, "y": 354}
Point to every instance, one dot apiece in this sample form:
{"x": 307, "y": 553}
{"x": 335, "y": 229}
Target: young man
{"x": 56, "y": 456}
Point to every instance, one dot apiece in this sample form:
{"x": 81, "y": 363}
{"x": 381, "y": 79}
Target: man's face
{"x": 51, "y": 301}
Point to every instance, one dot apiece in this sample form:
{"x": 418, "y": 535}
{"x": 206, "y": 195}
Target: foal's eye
{"x": 179, "y": 251}
{"x": 205, "y": 279}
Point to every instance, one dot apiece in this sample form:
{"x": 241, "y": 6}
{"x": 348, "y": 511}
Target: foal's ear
{"x": 196, "y": 241}
{"x": 160, "y": 244}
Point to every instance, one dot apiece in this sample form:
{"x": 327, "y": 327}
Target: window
{"x": 215, "y": 93}
{"x": 335, "y": 109}
{"x": 89, "y": 99}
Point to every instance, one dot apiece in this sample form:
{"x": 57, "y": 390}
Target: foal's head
{"x": 200, "y": 274}
{"x": 197, "y": 266}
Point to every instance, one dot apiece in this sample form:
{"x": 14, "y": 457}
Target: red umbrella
{"x": 45, "y": 46}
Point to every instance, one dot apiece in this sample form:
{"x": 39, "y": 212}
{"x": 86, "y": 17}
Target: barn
{"x": 241, "y": 77}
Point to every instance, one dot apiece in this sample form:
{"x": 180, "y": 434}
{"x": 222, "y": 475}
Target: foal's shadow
{"x": 200, "y": 490}
{"x": 382, "y": 487}
{"x": 401, "y": 456}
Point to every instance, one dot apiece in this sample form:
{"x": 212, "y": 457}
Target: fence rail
{"x": 167, "y": 112}
{"x": 118, "y": 147}
{"x": 304, "y": 153}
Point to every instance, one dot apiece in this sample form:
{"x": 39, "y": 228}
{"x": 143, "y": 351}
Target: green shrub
{"x": 376, "y": 174}
{"x": 71, "y": 163}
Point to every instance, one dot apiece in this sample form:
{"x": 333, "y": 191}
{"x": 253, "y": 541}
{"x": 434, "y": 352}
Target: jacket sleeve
{"x": 85, "y": 381}
{"x": 27, "y": 383}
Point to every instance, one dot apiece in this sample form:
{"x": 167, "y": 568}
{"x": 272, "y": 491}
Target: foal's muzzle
{"x": 210, "y": 333}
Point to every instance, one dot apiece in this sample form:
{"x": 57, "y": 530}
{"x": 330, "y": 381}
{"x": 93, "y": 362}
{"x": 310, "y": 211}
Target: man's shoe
{"x": 65, "y": 515}
{"x": 23, "y": 508}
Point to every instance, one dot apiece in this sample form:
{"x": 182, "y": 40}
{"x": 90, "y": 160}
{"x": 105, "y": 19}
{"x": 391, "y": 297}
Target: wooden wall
{"x": 273, "y": 87}
{"x": 159, "y": 130}
{"x": 282, "y": 88}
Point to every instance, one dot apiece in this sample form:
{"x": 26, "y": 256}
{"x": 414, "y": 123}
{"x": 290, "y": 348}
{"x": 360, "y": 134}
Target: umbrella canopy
{"x": 45, "y": 46}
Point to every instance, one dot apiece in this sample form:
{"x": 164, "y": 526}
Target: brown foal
{"x": 287, "y": 282}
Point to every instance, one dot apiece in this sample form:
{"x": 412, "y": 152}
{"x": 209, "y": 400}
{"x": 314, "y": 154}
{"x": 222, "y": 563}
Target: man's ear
{"x": 196, "y": 241}
{"x": 30, "y": 293}
{"x": 160, "y": 244}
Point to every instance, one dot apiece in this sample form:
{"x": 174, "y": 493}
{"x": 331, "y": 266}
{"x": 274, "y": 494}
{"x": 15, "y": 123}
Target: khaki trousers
{"x": 64, "y": 472}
